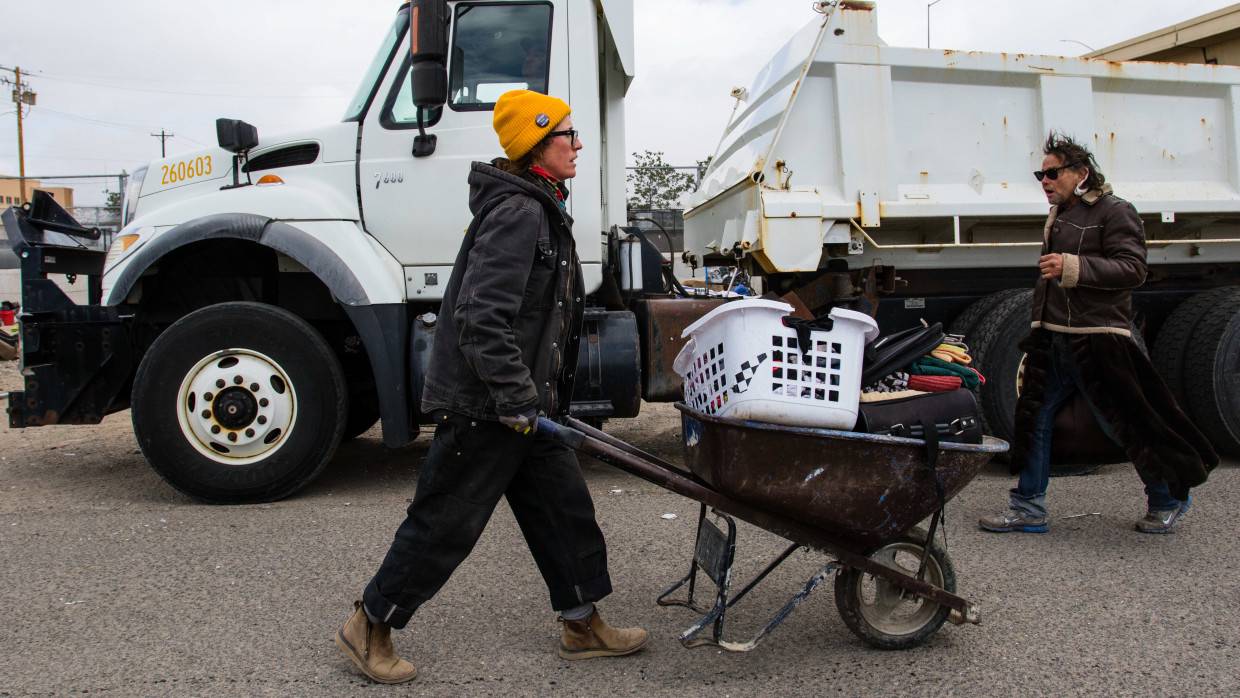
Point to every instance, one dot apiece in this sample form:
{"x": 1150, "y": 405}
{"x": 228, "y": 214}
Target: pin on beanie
{"x": 523, "y": 118}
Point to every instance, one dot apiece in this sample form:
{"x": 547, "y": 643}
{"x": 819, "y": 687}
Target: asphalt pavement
{"x": 113, "y": 583}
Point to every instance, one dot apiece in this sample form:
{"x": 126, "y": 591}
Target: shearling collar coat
{"x": 1102, "y": 241}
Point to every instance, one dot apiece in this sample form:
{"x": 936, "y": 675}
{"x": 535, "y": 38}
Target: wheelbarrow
{"x": 856, "y": 497}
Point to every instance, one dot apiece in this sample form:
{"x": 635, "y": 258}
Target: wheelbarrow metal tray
{"x": 869, "y": 488}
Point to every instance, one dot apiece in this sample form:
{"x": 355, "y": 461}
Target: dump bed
{"x": 923, "y": 158}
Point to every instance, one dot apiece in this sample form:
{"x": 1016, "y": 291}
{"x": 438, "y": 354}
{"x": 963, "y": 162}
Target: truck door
{"x": 418, "y": 207}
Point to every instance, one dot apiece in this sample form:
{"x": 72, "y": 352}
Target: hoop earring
{"x": 1081, "y": 188}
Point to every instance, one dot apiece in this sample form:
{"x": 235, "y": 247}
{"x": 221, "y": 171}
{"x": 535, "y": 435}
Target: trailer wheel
{"x": 238, "y": 403}
{"x": 881, "y": 614}
{"x": 1171, "y": 346}
{"x": 1212, "y": 373}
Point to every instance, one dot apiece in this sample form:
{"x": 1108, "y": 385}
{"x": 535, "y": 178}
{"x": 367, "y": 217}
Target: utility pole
{"x": 22, "y": 97}
{"x": 932, "y": 4}
{"x": 163, "y": 137}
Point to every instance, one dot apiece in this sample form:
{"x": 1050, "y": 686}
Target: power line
{"x": 117, "y": 124}
{"x": 186, "y": 94}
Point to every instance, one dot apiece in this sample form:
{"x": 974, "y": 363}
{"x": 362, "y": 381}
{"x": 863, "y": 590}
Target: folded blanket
{"x": 935, "y": 384}
{"x": 930, "y": 366}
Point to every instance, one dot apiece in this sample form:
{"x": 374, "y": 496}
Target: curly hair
{"x": 1074, "y": 154}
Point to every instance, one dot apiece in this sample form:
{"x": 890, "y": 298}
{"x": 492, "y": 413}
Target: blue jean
{"x": 1063, "y": 380}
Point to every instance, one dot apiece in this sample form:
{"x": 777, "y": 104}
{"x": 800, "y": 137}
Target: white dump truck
{"x": 277, "y": 294}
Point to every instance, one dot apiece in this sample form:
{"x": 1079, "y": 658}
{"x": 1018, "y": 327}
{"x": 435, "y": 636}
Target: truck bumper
{"x": 76, "y": 360}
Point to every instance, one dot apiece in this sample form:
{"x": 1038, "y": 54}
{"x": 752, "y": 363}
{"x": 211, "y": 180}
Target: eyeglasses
{"x": 1052, "y": 173}
{"x": 571, "y": 133}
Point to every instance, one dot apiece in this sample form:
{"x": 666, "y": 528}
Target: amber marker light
{"x": 126, "y": 241}
{"x": 269, "y": 179}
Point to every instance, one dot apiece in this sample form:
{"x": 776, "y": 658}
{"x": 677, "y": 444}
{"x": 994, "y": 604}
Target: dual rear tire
{"x": 1197, "y": 352}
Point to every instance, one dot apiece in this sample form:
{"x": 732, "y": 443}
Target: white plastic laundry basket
{"x": 741, "y": 362}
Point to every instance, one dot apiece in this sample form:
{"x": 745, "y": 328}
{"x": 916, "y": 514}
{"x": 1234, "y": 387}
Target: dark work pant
{"x": 471, "y": 464}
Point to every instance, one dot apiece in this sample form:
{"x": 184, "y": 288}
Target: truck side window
{"x": 497, "y": 48}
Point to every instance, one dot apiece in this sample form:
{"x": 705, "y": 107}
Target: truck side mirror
{"x": 428, "y": 78}
{"x": 428, "y": 44}
{"x": 235, "y": 135}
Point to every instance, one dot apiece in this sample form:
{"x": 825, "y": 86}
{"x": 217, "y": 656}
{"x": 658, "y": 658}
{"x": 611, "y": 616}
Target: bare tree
{"x": 655, "y": 184}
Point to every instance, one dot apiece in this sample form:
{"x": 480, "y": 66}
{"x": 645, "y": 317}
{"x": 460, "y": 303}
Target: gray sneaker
{"x": 1162, "y": 521}
{"x": 1013, "y": 520}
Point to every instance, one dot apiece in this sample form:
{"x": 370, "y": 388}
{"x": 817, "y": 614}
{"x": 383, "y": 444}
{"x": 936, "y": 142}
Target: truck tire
{"x": 996, "y": 356}
{"x": 1171, "y": 346}
{"x": 965, "y": 324}
{"x": 1212, "y": 373}
{"x": 238, "y": 403}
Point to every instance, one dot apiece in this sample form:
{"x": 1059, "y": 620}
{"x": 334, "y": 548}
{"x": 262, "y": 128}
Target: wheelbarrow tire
{"x": 881, "y": 628}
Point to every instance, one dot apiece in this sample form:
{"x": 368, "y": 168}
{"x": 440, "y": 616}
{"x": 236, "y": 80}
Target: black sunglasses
{"x": 1052, "y": 173}
{"x": 571, "y": 133}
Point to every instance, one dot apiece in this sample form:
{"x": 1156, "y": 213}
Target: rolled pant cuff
{"x": 388, "y": 613}
{"x": 587, "y": 592}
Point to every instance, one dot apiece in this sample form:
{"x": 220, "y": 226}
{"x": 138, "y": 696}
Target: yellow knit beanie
{"x": 523, "y": 118}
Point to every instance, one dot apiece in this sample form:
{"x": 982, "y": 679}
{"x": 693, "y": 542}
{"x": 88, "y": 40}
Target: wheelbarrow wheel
{"x": 881, "y": 614}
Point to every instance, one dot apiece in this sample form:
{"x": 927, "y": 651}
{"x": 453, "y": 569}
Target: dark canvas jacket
{"x": 1102, "y": 241}
{"x": 506, "y": 342}
{"x": 1159, "y": 439}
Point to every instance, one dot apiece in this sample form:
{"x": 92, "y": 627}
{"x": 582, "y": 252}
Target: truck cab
{"x": 276, "y": 294}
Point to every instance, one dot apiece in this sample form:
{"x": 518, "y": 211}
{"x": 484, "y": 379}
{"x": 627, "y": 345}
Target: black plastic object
{"x": 294, "y": 155}
{"x": 954, "y": 415}
{"x": 608, "y": 381}
{"x": 235, "y": 135}
{"x": 428, "y": 46}
{"x": 892, "y": 352}
{"x": 47, "y": 214}
{"x": 650, "y": 260}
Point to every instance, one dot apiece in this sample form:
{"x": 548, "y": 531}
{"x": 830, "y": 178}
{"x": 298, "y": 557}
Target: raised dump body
{"x": 923, "y": 158}
{"x": 905, "y": 174}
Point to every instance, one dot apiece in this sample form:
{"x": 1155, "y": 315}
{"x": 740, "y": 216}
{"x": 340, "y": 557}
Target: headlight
{"x": 132, "y": 189}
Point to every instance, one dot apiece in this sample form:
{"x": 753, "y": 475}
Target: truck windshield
{"x": 370, "y": 82}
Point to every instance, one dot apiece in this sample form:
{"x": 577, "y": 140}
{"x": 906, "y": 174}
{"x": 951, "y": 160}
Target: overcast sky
{"x": 108, "y": 74}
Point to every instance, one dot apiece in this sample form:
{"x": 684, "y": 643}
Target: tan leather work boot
{"x": 369, "y": 645}
{"x": 592, "y": 637}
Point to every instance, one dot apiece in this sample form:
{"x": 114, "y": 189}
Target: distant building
{"x": 11, "y": 192}
{"x": 1211, "y": 38}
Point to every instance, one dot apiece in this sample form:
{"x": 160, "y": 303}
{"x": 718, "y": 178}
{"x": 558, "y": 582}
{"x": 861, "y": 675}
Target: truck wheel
{"x": 878, "y": 612}
{"x": 238, "y": 403}
{"x": 996, "y": 356}
{"x": 1212, "y": 373}
{"x": 965, "y": 324}
{"x": 1171, "y": 346}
